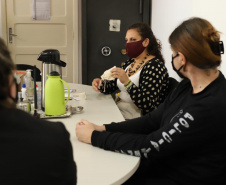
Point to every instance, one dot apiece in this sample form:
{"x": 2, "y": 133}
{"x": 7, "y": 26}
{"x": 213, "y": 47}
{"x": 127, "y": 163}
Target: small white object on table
{"x": 96, "y": 166}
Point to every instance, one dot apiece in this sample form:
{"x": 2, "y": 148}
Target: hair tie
{"x": 217, "y": 47}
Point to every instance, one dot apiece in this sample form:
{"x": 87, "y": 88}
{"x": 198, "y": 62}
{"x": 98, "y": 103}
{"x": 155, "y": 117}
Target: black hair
{"x": 6, "y": 68}
{"x": 154, "y": 47}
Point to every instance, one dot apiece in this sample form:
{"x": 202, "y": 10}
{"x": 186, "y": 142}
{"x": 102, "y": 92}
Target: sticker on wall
{"x": 114, "y": 25}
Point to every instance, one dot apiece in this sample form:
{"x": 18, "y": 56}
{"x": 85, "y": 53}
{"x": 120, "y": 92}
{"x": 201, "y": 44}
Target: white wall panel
{"x": 167, "y": 15}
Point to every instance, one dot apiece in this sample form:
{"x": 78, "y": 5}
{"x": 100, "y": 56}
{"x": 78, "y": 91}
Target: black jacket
{"x": 184, "y": 140}
{"x": 34, "y": 151}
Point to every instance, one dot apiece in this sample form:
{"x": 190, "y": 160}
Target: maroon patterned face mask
{"x": 134, "y": 49}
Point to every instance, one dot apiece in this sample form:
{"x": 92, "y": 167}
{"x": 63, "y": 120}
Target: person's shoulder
{"x": 218, "y": 87}
{"x": 221, "y": 78}
{"x": 183, "y": 86}
{"x": 28, "y": 120}
{"x": 55, "y": 128}
{"x": 155, "y": 62}
{"x": 180, "y": 88}
{"x": 184, "y": 83}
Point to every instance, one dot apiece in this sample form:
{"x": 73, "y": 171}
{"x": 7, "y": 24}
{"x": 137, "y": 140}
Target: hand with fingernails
{"x": 120, "y": 74}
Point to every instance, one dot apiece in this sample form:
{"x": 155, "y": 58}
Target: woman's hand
{"x": 84, "y": 130}
{"x": 96, "y": 83}
{"x": 120, "y": 74}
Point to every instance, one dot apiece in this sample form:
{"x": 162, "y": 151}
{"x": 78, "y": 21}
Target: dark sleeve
{"x": 185, "y": 131}
{"x": 69, "y": 170}
{"x": 128, "y": 135}
{"x": 153, "y": 78}
{"x": 141, "y": 125}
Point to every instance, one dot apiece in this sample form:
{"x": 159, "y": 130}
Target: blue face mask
{"x": 177, "y": 70}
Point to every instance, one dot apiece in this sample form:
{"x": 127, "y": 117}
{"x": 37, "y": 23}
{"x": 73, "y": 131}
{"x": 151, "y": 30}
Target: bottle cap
{"x": 28, "y": 72}
{"x": 23, "y": 85}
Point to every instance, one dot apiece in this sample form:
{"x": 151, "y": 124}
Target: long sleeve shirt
{"x": 185, "y": 137}
{"x": 152, "y": 89}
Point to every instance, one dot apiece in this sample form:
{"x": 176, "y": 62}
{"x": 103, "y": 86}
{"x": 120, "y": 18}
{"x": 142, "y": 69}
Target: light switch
{"x": 114, "y": 25}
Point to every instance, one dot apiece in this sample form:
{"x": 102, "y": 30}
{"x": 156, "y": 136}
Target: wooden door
{"x": 33, "y": 36}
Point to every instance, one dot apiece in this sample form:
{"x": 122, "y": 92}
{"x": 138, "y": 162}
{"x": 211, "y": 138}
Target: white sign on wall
{"x": 114, "y": 25}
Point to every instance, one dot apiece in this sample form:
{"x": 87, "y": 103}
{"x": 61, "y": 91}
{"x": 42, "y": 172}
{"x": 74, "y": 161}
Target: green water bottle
{"x": 54, "y": 94}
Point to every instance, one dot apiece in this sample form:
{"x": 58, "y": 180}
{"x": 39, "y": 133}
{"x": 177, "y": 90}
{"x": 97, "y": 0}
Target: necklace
{"x": 131, "y": 71}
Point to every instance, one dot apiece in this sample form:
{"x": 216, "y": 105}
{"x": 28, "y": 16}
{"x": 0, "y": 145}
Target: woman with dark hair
{"x": 143, "y": 79}
{"x": 154, "y": 48}
{"x": 183, "y": 140}
{"x": 7, "y": 66}
{"x": 33, "y": 151}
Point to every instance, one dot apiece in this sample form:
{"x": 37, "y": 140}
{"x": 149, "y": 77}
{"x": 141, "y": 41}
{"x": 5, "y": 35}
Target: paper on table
{"x": 71, "y": 93}
{"x": 76, "y": 96}
{"x": 79, "y": 96}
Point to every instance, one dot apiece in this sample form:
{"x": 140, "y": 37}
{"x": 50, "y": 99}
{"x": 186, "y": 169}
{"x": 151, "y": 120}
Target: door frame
{"x": 76, "y": 55}
{"x": 3, "y": 16}
{"x": 145, "y": 4}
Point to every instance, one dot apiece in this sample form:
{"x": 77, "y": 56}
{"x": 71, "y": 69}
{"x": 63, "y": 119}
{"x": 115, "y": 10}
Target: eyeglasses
{"x": 173, "y": 57}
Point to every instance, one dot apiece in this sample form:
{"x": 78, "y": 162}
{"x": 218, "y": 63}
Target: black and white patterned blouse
{"x": 153, "y": 85}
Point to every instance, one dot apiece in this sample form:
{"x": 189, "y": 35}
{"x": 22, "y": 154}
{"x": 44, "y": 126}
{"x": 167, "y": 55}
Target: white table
{"x": 96, "y": 166}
